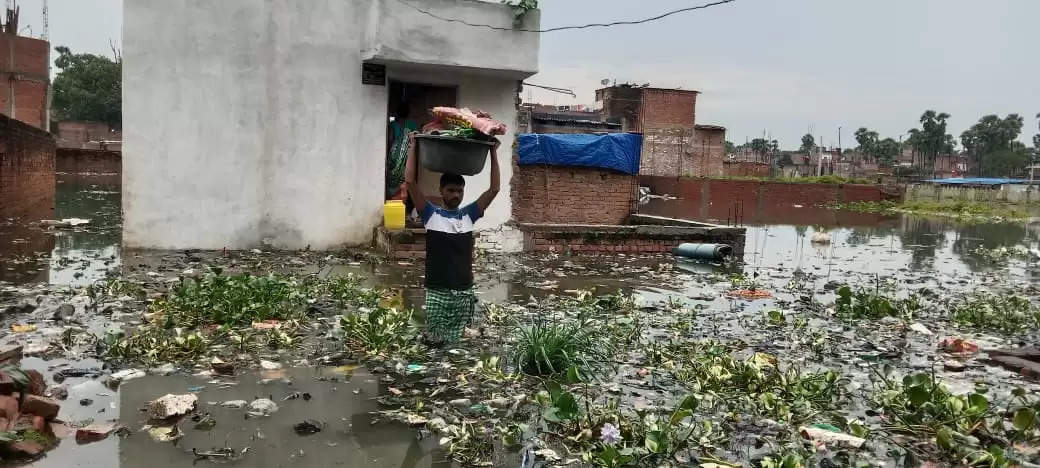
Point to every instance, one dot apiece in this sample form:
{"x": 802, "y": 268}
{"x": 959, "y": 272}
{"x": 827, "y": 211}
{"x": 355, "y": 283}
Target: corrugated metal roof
{"x": 573, "y": 120}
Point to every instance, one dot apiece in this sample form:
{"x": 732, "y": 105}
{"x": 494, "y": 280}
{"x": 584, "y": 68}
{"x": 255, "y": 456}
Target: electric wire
{"x": 562, "y": 28}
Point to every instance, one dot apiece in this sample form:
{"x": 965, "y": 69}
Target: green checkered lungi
{"x": 448, "y": 312}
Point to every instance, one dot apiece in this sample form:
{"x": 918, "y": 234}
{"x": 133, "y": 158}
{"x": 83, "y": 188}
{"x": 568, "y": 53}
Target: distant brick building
{"x": 88, "y": 135}
{"x": 673, "y": 144}
{"x": 24, "y": 79}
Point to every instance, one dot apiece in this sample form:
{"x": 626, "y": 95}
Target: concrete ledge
{"x": 638, "y": 219}
{"x": 625, "y": 238}
{"x": 402, "y": 243}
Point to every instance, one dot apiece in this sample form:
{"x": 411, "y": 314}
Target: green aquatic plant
{"x": 238, "y": 300}
{"x": 1005, "y": 312}
{"x": 382, "y": 331}
{"x": 759, "y": 384}
{"x": 863, "y": 303}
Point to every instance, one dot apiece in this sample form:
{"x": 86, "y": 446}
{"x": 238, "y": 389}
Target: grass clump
{"x": 544, "y": 349}
{"x": 966, "y": 209}
{"x": 863, "y": 303}
{"x": 961, "y": 209}
{"x": 1004, "y": 313}
{"x": 236, "y": 300}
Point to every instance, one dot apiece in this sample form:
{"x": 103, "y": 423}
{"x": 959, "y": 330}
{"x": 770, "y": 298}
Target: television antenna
{"x": 46, "y": 25}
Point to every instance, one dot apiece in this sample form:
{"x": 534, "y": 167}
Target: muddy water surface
{"x": 919, "y": 252}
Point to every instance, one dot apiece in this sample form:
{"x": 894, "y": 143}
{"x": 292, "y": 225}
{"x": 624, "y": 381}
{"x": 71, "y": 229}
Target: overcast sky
{"x": 762, "y": 65}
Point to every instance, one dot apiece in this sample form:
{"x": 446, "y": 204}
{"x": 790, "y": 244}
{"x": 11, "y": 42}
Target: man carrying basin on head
{"x": 450, "y": 300}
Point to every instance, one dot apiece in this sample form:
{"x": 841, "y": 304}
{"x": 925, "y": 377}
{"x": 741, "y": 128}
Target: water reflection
{"x": 779, "y": 235}
{"x": 30, "y": 253}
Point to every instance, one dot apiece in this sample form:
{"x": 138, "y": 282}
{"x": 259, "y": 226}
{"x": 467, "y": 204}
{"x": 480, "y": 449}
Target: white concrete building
{"x": 246, "y": 122}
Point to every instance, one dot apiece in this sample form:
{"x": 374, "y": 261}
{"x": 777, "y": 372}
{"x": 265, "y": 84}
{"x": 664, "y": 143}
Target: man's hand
{"x": 486, "y": 197}
{"x": 411, "y": 139}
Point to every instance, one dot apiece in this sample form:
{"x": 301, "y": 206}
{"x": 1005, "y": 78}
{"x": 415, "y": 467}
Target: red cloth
{"x": 480, "y": 121}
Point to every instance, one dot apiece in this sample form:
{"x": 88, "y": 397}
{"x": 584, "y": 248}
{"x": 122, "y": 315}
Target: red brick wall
{"x": 670, "y": 144}
{"x": 548, "y": 242}
{"x": 26, "y": 171}
{"x": 572, "y": 195}
{"x": 745, "y": 169}
{"x": 23, "y": 67}
{"x": 667, "y": 152}
{"x": 759, "y": 201}
{"x": 79, "y": 161}
{"x": 622, "y": 105}
{"x": 667, "y": 108}
{"x": 76, "y": 134}
{"x": 708, "y": 153}
{"x": 402, "y": 244}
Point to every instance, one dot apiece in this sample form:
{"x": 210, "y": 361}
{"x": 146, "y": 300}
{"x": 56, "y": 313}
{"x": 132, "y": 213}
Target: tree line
{"x": 991, "y": 143}
{"x": 88, "y": 87}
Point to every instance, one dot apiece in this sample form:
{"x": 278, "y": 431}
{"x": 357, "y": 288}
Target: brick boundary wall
{"x": 550, "y": 242}
{"x": 86, "y": 161}
{"x": 634, "y": 239}
{"x": 575, "y": 195}
{"x": 27, "y": 182}
{"x": 751, "y": 191}
{"x": 745, "y": 169}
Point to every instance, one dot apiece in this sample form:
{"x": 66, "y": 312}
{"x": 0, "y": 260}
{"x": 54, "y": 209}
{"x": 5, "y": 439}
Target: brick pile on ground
{"x": 26, "y": 414}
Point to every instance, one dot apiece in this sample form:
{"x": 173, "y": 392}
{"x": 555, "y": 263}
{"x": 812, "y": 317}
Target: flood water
{"x": 778, "y": 243}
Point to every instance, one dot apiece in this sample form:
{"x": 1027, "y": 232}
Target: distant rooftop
{"x": 649, "y": 88}
{"x": 573, "y": 120}
{"x": 709, "y": 127}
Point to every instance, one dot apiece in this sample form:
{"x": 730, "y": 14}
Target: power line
{"x": 562, "y": 28}
{"x": 553, "y": 89}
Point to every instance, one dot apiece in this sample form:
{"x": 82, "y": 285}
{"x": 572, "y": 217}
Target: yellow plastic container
{"x": 393, "y": 214}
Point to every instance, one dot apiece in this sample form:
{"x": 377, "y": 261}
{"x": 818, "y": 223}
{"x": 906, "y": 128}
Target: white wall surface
{"x": 246, "y": 123}
{"x": 400, "y": 34}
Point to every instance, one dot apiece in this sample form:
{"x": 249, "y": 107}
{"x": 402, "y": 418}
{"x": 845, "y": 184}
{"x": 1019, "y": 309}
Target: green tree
{"x": 760, "y": 146}
{"x": 1036, "y": 140}
{"x": 868, "y": 141}
{"x": 992, "y": 142}
{"x": 88, "y": 87}
{"x": 730, "y": 147}
{"x": 887, "y": 150}
{"x": 931, "y": 139}
{"x": 808, "y": 144}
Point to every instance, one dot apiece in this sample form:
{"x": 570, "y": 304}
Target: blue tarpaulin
{"x": 617, "y": 151}
{"x": 977, "y": 181}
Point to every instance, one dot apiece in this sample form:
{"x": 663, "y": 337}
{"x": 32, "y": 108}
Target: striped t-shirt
{"x": 449, "y": 245}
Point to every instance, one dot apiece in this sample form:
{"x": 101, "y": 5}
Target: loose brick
{"x": 41, "y": 406}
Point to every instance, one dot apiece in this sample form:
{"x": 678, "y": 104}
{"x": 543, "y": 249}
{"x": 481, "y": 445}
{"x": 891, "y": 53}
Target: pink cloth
{"x": 480, "y": 121}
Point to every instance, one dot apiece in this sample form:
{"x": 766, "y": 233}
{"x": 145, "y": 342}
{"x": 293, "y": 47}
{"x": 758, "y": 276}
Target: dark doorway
{"x": 409, "y": 109}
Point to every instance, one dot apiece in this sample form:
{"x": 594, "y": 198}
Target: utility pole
{"x": 50, "y": 91}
